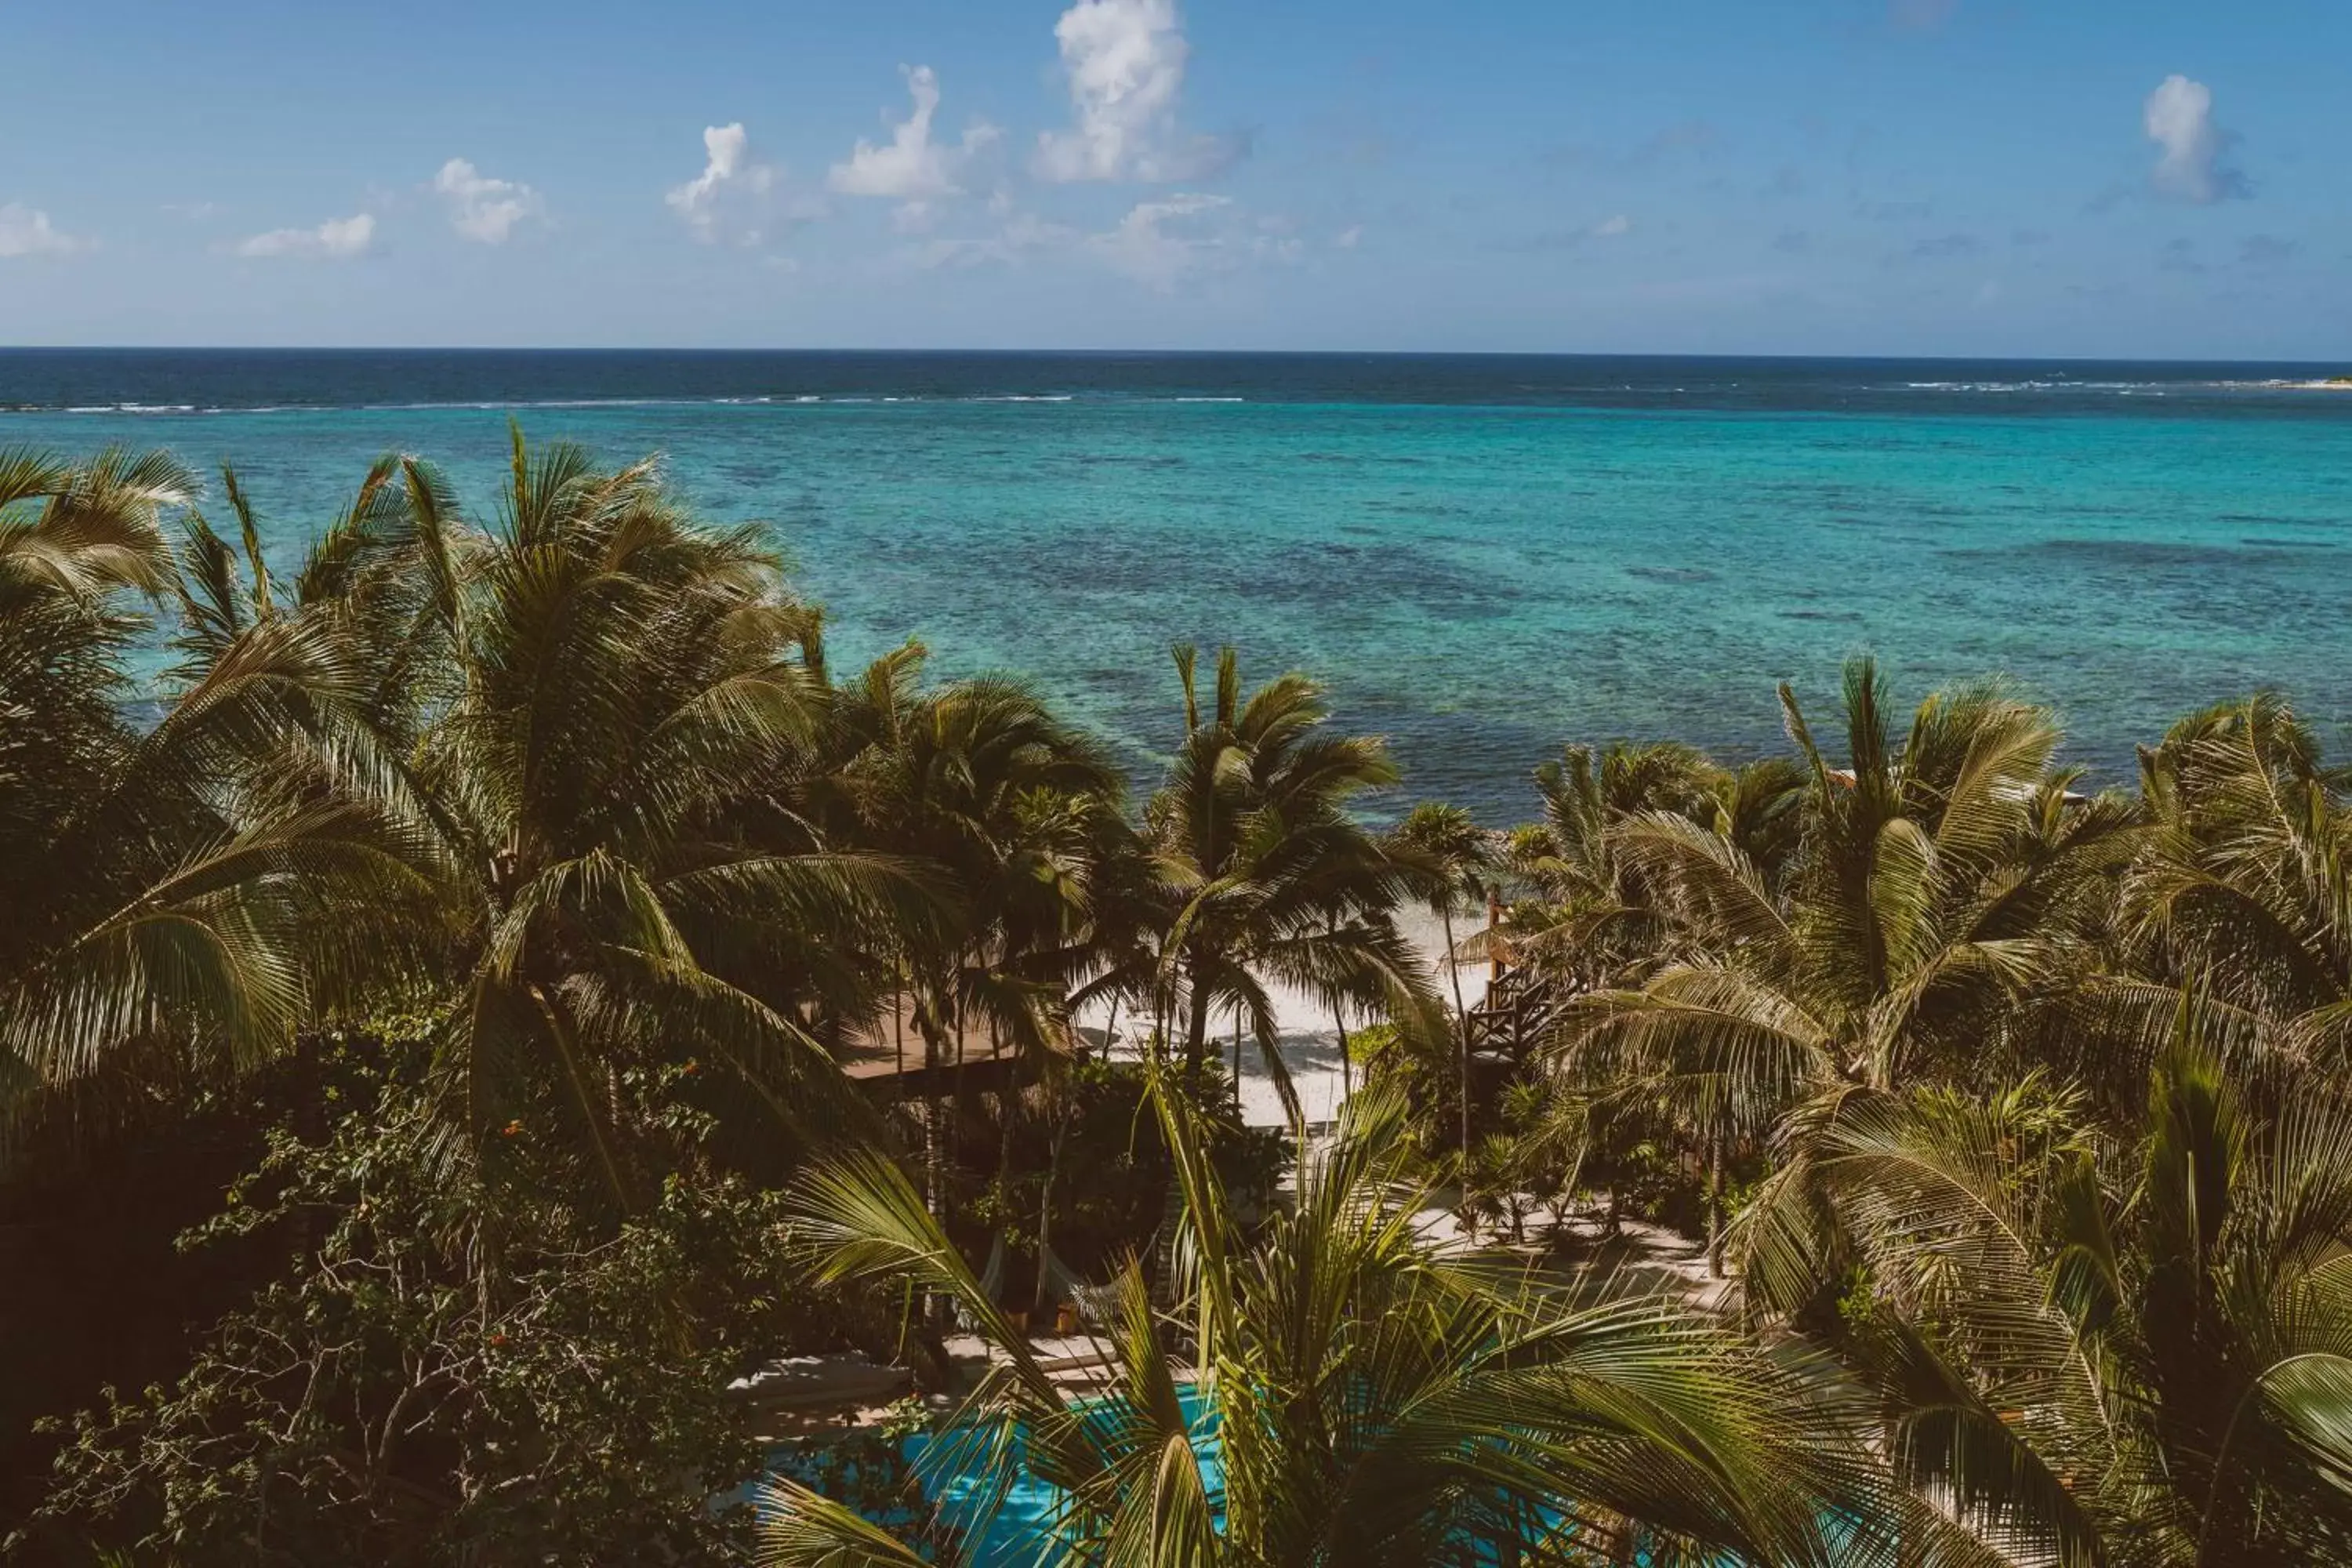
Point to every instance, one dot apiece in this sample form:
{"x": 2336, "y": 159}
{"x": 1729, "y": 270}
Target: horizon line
{"x": 1111, "y": 351}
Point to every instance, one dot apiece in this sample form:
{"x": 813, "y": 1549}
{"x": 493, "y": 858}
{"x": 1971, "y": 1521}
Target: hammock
{"x": 1062, "y": 1284}
{"x": 992, "y": 1284}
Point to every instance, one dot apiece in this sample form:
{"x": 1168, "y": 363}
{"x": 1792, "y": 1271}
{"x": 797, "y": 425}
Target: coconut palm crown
{"x": 1366, "y": 1400}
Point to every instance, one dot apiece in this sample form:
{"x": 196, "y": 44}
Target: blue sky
{"x": 1998, "y": 177}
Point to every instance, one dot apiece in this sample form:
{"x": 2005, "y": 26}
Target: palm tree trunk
{"x": 1347, "y": 1067}
{"x": 1008, "y": 1107}
{"x": 1038, "y": 1301}
{"x": 932, "y": 1175}
{"x": 1008, "y": 1114}
{"x": 898, "y": 1000}
{"x": 935, "y": 1159}
{"x": 1461, "y": 1018}
{"x": 1237, "y": 1060}
{"x": 1196, "y": 1053}
{"x": 1060, "y": 1108}
{"x": 1715, "y": 1204}
{"x": 962, "y": 1079}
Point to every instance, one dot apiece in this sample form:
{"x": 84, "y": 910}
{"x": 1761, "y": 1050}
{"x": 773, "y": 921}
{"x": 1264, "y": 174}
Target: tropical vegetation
{"x": 441, "y": 979}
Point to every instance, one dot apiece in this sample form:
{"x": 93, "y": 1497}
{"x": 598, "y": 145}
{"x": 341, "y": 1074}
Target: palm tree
{"x": 175, "y": 893}
{"x": 1366, "y": 1401}
{"x": 2244, "y": 885}
{"x": 1266, "y": 876}
{"x": 1945, "y": 889}
{"x": 596, "y": 699}
{"x": 1447, "y": 856}
{"x": 2131, "y": 1350}
{"x": 1591, "y": 914}
{"x": 1596, "y": 915}
{"x": 1018, "y": 813}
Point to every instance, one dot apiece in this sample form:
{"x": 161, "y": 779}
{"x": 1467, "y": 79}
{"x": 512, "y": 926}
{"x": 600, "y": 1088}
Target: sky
{"x": 2103, "y": 178}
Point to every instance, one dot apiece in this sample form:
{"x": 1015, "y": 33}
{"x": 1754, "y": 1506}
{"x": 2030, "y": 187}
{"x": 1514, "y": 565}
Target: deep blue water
{"x": 1486, "y": 556}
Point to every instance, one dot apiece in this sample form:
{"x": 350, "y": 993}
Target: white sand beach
{"x": 1309, "y": 1038}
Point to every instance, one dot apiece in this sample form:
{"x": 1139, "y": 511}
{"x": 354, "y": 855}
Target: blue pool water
{"x": 1020, "y": 1532}
{"x": 1023, "y": 1522}
{"x": 1485, "y": 556}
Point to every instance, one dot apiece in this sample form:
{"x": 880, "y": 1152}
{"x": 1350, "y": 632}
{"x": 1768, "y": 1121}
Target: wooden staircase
{"x": 1519, "y": 1011}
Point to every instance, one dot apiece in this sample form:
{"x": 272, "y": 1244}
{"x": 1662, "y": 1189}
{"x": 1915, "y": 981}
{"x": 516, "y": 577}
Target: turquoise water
{"x": 1022, "y": 1526}
{"x": 1480, "y": 569}
{"x": 1023, "y": 1522}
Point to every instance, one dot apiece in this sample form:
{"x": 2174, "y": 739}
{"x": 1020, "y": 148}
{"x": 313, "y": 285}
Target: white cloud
{"x": 1125, "y": 60}
{"x": 1161, "y": 242}
{"x": 910, "y": 167}
{"x": 1349, "y": 237}
{"x": 1021, "y": 235}
{"x": 2179, "y": 118}
{"x": 27, "y": 231}
{"x": 1612, "y": 225}
{"x": 484, "y": 209}
{"x": 1166, "y": 242}
{"x": 726, "y": 199}
{"x": 1177, "y": 239}
{"x": 336, "y": 239}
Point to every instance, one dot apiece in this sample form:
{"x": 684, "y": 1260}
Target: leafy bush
{"x": 1110, "y": 1184}
{"x": 457, "y": 1362}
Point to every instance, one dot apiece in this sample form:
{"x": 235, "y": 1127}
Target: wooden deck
{"x": 886, "y": 1057}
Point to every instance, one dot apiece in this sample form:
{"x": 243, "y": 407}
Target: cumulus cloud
{"x": 1019, "y": 236}
{"x": 483, "y": 210}
{"x": 726, "y": 200}
{"x": 336, "y": 239}
{"x": 2194, "y": 163}
{"x": 1161, "y": 243}
{"x": 1177, "y": 239}
{"x": 1612, "y": 225}
{"x": 27, "y": 231}
{"x": 1125, "y": 60}
{"x": 910, "y": 167}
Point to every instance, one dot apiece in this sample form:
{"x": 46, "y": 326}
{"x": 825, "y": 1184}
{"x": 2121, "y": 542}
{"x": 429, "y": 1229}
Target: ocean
{"x": 1485, "y": 557}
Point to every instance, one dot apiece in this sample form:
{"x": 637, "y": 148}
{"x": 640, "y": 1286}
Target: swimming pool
{"x": 874, "y": 1473}
{"x": 1025, "y": 1525}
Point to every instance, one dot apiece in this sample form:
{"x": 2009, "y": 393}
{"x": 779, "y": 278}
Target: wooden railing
{"x": 1518, "y": 1010}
